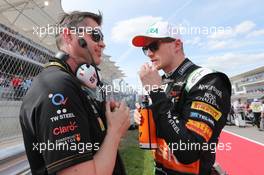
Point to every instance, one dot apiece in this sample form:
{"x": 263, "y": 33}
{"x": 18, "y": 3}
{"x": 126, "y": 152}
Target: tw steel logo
{"x": 65, "y": 129}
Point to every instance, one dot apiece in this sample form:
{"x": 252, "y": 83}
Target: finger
{"x": 147, "y": 68}
{"x": 107, "y": 107}
{"x": 149, "y": 65}
{"x": 128, "y": 109}
{"x": 142, "y": 71}
{"x": 122, "y": 105}
{"x": 128, "y": 122}
{"x": 117, "y": 104}
{"x": 138, "y": 116}
{"x": 142, "y": 68}
{"x": 136, "y": 112}
{"x": 153, "y": 68}
{"x": 112, "y": 105}
{"x": 137, "y": 120}
{"x": 137, "y": 105}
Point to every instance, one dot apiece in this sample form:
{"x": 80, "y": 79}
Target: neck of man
{"x": 73, "y": 61}
{"x": 174, "y": 64}
{"x": 72, "y": 64}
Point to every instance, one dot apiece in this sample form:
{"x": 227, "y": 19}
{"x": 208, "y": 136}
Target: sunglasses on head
{"x": 154, "y": 46}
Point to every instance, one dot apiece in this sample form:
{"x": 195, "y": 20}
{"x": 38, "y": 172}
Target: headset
{"x": 87, "y": 74}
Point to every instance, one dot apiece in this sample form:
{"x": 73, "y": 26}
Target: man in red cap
{"x": 191, "y": 112}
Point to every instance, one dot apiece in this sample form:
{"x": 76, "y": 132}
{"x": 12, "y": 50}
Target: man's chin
{"x": 97, "y": 60}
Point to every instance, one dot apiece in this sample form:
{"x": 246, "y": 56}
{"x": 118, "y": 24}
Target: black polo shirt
{"x": 61, "y": 126}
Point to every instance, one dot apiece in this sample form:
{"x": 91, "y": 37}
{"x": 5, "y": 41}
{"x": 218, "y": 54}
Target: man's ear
{"x": 178, "y": 45}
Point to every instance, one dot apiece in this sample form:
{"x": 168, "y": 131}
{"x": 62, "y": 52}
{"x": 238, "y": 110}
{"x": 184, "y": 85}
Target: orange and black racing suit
{"x": 189, "y": 115}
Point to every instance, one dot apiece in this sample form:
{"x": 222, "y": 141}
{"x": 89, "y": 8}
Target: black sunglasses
{"x": 154, "y": 46}
{"x": 97, "y": 35}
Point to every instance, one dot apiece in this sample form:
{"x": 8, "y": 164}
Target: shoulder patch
{"x": 200, "y": 128}
{"x": 196, "y": 76}
{"x": 201, "y": 106}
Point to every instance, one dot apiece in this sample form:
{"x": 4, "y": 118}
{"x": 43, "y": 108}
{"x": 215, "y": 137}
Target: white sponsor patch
{"x": 62, "y": 116}
{"x": 208, "y": 98}
{"x": 196, "y": 76}
{"x": 210, "y": 88}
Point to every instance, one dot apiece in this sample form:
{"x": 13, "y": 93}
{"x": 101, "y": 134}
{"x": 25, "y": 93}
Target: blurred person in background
{"x": 16, "y": 83}
{"x": 256, "y": 107}
{"x": 239, "y": 108}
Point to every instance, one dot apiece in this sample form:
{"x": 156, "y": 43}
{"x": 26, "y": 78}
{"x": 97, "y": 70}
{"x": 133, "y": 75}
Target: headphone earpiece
{"x": 87, "y": 75}
{"x": 82, "y": 42}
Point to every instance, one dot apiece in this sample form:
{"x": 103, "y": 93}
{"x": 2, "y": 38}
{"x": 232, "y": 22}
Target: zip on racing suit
{"x": 191, "y": 112}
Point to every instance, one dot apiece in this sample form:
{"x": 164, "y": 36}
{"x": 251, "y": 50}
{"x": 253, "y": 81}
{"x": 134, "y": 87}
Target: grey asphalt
{"x": 249, "y": 132}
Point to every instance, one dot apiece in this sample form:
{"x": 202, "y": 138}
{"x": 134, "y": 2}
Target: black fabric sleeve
{"x": 201, "y": 120}
{"x": 63, "y": 126}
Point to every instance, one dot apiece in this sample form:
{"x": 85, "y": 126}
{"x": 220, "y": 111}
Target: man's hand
{"x": 137, "y": 115}
{"x": 149, "y": 77}
{"x": 118, "y": 120}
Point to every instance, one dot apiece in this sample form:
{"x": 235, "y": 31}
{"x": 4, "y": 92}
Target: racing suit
{"x": 189, "y": 115}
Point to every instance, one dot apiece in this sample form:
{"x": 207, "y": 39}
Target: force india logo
{"x": 65, "y": 129}
{"x": 207, "y": 108}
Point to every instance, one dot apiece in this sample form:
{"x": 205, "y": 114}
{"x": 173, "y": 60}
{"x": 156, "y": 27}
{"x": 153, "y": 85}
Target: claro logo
{"x": 65, "y": 129}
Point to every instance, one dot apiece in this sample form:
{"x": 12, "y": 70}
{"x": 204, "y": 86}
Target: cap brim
{"x": 141, "y": 40}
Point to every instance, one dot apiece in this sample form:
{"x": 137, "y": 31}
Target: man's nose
{"x": 101, "y": 44}
{"x": 150, "y": 53}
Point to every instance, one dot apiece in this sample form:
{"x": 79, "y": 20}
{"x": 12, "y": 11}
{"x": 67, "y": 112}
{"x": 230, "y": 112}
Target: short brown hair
{"x": 74, "y": 19}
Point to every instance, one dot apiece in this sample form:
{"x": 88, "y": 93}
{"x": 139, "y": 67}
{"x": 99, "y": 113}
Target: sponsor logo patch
{"x": 210, "y": 88}
{"x": 58, "y": 99}
{"x": 185, "y": 67}
{"x": 69, "y": 139}
{"x": 200, "y": 128}
{"x": 65, "y": 129}
{"x": 208, "y": 98}
{"x": 62, "y": 116}
{"x": 202, "y": 117}
{"x": 207, "y": 108}
{"x": 173, "y": 121}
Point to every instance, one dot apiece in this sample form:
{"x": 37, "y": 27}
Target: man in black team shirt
{"x": 65, "y": 131}
{"x": 190, "y": 112}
